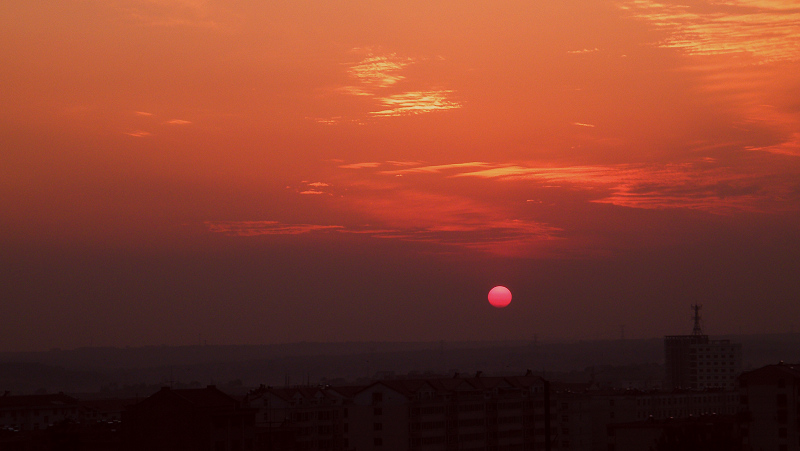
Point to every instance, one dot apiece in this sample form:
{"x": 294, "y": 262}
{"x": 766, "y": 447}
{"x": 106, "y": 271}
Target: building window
{"x": 377, "y": 397}
{"x": 377, "y": 426}
{"x": 378, "y": 441}
{"x": 377, "y": 411}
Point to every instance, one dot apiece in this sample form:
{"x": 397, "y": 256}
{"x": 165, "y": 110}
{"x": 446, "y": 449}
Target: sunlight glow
{"x": 416, "y": 103}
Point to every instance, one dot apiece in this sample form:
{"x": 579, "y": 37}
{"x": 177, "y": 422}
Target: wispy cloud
{"x": 178, "y": 122}
{"x": 420, "y": 168}
{"x": 255, "y": 228}
{"x": 521, "y": 172}
{"x": 766, "y": 29}
{"x": 698, "y": 185}
{"x": 431, "y": 205}
{"x": 789, "y": 147}
{"x": 581, "y": 51}
{"x": 418, "y": 102}
{"x": 740, "y": 52}
{"x": 138, "y": 133}
{"x": 370, "y": 164}
{"x": 417, "y": 216}
{"x": 379, "y": 71}
{"x": 379, "y": 79}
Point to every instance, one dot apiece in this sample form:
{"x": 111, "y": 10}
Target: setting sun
{"x": 499, "y": 296}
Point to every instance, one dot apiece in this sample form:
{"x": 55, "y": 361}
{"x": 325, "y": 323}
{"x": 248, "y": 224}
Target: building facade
{"x": 475, "y": 413}
{"x": 770, "y": 403}
{"x": 695, "y": 362}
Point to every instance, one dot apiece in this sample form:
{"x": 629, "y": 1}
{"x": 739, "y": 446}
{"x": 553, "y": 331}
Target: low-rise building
{"x": 502, "y": 413}
{"x": 37, "y": 412}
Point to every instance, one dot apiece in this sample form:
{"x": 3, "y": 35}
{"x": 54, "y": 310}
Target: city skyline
{"x": 243, "y": 172}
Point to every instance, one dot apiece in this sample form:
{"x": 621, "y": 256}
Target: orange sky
{"x": 212, "y": 162}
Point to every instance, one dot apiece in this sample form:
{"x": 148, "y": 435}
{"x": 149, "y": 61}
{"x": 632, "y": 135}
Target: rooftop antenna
{"x": 698, "y": 330}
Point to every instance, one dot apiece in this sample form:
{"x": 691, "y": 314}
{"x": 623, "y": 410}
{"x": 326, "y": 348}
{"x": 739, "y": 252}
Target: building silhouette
{"x": 426, "y": 414}
{"x": 59, "y": 422}
{"x": 189, "y": 419}
{"x": 37, "y": 412}
{"x": 771, "y": 408}
{"x": 501, "y": 413}
{"x": 705, "y": 433}
{"x": 695, "y": 362}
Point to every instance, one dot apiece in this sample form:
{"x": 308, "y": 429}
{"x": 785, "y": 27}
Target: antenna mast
{"x": 698, "y": 330}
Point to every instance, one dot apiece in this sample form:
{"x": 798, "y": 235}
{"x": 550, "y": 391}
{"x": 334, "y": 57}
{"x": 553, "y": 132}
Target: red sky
{"x": 176, "y": 171}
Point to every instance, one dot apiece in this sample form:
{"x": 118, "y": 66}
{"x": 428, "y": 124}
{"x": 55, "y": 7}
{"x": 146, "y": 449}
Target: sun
{"x": 499, "y": 296}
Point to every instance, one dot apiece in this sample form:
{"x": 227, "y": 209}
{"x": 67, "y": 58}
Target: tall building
{"x": 695, "y": 362}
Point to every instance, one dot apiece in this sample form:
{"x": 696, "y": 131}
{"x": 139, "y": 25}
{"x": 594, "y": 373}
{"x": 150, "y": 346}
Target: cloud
{"x": 384, "y": 209}
{"x": 768, "y": 30}
{"x": 581, "y": 124}
{"x": 138, "y": 133}
{"x": 509, "y": 209}
{"x": 416, "y": 216}
{"x": 360, "y": 165}
{"x": 521, "y": 172}
{"x": 702, "y": 185}
{"x": 379, "y": 71}
{"x": 789, "y": 147}
{"x": 435, "y": 168}
{"x": 404, "y": 163}
{"x": 178, "y": 122}
{"x": 581, "y": 51}
{"x": 379, "y": 76}
{"x": 416, "y": 102}
{"x": 256, "y": 228}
